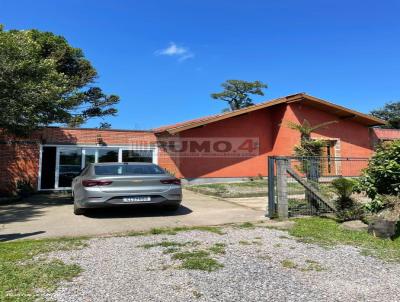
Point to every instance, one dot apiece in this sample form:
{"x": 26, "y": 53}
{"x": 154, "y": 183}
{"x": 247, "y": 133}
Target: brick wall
{"x": 19, "y": 157}
{"x": 19, "y": 162}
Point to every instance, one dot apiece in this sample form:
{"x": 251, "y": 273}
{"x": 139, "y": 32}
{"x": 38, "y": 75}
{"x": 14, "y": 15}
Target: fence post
{"x": 271, "y": 211}
{"x": 281, "y": 182}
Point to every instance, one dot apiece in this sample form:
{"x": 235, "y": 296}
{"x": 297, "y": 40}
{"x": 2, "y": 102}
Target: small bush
{"x": 347, "y": 209}
{"x": 382, "y": 202}
{"x": 354, "y": 213}
{"x": 343, "y": 187}
{"x": 382, "y": 176}
{"x": 24, "y": 188}
{"x": 374, "y": 206}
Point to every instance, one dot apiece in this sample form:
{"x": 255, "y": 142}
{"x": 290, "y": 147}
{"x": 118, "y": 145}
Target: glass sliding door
{"x": 69, "y": 166}
{"x": 90, "y": 156}
{"x": 108, "y": 155}
{"x": 137, "y": 156}
{"x": 61, "y": 164}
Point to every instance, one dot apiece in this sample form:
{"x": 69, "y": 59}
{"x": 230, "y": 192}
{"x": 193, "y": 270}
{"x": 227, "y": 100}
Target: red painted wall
{"x": 354, "y": 138}
{"x": 254, "y": 124}
{"x": 275, "y": 138}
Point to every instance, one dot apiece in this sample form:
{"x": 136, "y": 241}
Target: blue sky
{"x": 164, "y": 58}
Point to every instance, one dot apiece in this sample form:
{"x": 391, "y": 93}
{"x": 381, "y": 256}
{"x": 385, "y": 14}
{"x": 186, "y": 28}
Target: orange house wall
{"x": 275, "y": 139}
{"x": 354, "y": 138}
{"x": 255, "y": 124}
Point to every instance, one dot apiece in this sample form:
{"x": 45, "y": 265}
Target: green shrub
{"x": 24, "y": 188}
{"x": 382, "y": 176}
{"x": 382, "y": 202}
{"x": 374, "y": 206}
{"x": 355, "y": 213}
{"x": 343, "y": 187}
{"x": 309, "y": 148}
{"x": 346, "y": 207}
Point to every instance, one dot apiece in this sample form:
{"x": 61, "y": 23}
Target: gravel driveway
{"x": 259, "y": 264}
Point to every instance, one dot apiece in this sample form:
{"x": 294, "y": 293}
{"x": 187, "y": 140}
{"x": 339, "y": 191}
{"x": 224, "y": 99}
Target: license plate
{"x": 136, "y": 199}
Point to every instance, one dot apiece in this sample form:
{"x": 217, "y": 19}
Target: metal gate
{"x": 302, "y": 185}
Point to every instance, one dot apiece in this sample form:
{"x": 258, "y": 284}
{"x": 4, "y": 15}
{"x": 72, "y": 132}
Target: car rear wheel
{"x": 78, "y": 210}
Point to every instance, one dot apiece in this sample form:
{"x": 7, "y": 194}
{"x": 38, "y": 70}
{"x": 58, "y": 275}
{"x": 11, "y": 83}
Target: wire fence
{"x": 302, "y": 185}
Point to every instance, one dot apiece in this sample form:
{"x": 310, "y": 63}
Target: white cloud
{"x": 173, "y": 50}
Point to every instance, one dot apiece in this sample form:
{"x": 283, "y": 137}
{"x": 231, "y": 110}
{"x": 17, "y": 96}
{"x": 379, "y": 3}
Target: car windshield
{"x": 128, "y": 170}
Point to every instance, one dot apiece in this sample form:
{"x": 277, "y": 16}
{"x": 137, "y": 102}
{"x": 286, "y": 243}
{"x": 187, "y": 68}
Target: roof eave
{"x": 366, "y": 119}
{"x": 175, "y": 130}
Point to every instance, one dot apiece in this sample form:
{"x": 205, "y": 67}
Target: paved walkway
{"x": 51, "y": 216}
{"x": 255, "y": 203}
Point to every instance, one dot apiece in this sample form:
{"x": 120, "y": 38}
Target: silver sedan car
{"x": 115, "y": 184}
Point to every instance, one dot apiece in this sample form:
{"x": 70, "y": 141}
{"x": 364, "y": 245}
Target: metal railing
{"x": 302, "y": 185}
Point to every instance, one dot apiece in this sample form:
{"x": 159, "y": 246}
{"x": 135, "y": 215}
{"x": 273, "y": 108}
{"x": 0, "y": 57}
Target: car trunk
{"x": 136, "y": 184}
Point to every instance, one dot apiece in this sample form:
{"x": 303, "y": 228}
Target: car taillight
{"x": 173, "y": 181}
{"x": 94, "y": 183}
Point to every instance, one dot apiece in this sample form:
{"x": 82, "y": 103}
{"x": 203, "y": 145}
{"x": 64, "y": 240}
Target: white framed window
{"x": 71, "y": 159}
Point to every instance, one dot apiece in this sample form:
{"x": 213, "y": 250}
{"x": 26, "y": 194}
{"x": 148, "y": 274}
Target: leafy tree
{"x": 382, "y": 176}
{"x": 236, "y": 93}
{"x": 306, "y": 128}
{"x": 310, "y": 151}
{"x": 308, "y": 147}
{"x": 105, "y": 125}
{"x": 44, "y": 80}
{"x": 390, "y": 113}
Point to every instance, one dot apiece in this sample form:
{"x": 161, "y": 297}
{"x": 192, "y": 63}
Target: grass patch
{"x": 246, "y": 225}
{"x": 244, "y": 242}
{"x": 21, "y": 275}
{"x": 218, "y": 248}
{"x": 327, "y": 232}
{"x": 265, "y": 257}
{"x": 168, "y": 244}
{"x": 313, "y": 266}
{"x": 254, "y": 188}
{"x": 204, "y": 264}
{"x": 176, "y": 230}
{"x": 197, "y": 294}
{"x": 288, "y": 264}
{"x": 171, "y": 250}
{"x": 191, "y": 254}
{"x": 197, "y": 260}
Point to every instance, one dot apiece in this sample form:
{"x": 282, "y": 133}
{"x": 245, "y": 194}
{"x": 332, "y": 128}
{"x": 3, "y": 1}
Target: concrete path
{"x": 51, "y": 216}
{"x": 255, "y": 203}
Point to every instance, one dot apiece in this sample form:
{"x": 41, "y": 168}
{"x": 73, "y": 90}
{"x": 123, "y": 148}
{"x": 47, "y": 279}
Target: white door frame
{"x": 83, "y": 153}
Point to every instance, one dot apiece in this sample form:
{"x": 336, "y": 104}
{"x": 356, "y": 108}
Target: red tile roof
{"x": 387, "y": 134}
